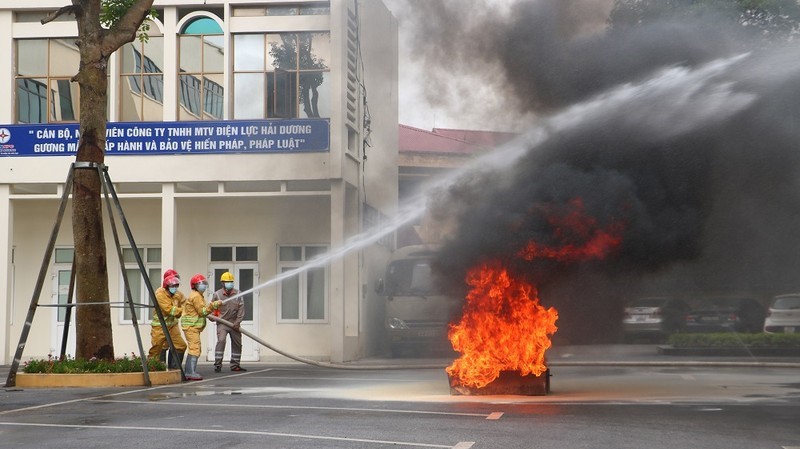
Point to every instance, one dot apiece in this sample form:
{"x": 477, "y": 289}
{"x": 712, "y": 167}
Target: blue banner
{"x": 145, "y": 138}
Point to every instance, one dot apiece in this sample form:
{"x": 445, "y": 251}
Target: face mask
{"x": 172, "y": 290}
{"x": 228, "y": 285}
{"x": 201, "y": 288}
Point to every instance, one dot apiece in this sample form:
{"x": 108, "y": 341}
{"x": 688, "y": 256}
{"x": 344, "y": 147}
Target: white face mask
{"x": 172, "y": 290}
{"x": 201, "y": 288}
{"x": 228, "y": 285}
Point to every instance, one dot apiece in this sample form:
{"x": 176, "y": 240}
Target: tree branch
{"x": 125, "y": 30}
{"x": 69, "y": 9}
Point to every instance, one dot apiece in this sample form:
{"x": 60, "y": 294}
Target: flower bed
{"x": 69, "y": 372}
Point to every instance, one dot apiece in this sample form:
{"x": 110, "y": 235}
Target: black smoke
{"x": 685, "y": 131}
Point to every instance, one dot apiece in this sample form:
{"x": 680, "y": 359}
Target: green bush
{"x": 735, "y": 340}
{"x": 126, "y": 364}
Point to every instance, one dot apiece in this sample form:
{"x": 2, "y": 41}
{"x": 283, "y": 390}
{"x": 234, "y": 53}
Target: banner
{"x": 146, "y": 138}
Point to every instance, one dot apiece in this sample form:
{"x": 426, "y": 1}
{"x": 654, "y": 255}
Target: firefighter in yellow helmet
{"x": 193, "y": 321}
{"x": 170, "y": 301}
{"x": 231, "y": 310}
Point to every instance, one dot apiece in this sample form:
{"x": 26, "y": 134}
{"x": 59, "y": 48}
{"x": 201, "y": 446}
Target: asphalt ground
{"x": 381, "y": 402}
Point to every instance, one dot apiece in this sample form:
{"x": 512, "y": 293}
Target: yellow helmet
{"x": 226, "y": 277}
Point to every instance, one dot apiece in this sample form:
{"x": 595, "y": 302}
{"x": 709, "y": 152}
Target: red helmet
{"x": 170, "y": 272}
{"x": 197, "y": 278}
{"x": 172, "y": 280}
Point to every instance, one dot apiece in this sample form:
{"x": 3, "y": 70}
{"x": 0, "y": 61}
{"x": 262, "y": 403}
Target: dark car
{"x": 654, "y": 317}
{"x": 726, "y": 315}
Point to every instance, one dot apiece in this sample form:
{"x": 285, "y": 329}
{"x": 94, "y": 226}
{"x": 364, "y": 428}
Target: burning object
{"x": 504, "y": 331}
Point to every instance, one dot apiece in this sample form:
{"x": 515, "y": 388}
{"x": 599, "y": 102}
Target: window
{"x": 281, "y": 75}
{"x": 142, "y": 79}
{"x": 202, "y": 63}
{"x": 303, "y": 296}
{"x": 151, "y": 257}
{"x": 44, "y": 90}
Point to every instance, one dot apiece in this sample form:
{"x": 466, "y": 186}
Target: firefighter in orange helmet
{"x": 170, "y": 301}
{"x": 193, "y": 321}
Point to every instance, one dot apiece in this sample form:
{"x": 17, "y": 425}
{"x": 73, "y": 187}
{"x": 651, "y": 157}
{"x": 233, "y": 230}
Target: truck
{"x": 417, "y": 312}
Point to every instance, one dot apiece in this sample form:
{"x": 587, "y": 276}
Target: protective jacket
{"x": 230, "y": 310}
{"x": 195, "y": 311}
{"x": 171, "y": 307}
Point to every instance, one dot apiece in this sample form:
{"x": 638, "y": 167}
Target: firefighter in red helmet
{"x": 193, "y": 321}
{"x": 170, "y": 301}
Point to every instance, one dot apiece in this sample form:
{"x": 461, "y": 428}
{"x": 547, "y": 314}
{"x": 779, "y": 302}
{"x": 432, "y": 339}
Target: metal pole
{"x": 68, "y": 314}
{"x": 149, "y": 286}
{"x": 101, "y": 169}
{"x": 11, "y": 381}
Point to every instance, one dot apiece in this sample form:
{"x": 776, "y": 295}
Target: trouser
{"x": 223, "y": 332}
{"x": 193, "y": 340}
{"x": 157, "y": 339}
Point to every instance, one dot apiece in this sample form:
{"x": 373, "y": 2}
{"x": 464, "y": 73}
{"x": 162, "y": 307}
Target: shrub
{"x": 126, "y": 364}
{"x": 735, "y": 340}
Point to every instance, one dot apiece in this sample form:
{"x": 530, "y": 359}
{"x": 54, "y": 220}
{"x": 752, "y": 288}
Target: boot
{"x": 191, "y": 368}
{"x": 172, "y": 365}
{"x": 162, "y": 357}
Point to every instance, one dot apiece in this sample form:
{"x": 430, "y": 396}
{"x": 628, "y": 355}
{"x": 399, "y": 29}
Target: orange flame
{"x": 504, "y": 328}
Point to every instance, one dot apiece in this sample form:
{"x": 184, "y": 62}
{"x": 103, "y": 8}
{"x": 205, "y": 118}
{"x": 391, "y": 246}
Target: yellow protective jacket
{"x": 171, "y": 307}
{"x": 195, "y": 311}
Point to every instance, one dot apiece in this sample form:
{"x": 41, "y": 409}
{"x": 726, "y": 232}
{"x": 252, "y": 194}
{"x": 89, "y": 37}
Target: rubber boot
{"x": 191, "y": 368}
{"x": 162, "y": 357}
{"x": 172, "y": 365}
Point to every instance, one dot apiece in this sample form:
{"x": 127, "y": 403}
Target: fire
{"x": 503, "y": 326}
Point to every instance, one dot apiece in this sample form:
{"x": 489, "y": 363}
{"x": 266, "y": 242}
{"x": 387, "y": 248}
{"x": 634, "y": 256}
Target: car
{"x": 726, "y": 314}
{"x": 783, "y": 314}
{"x": 654, "y": 317}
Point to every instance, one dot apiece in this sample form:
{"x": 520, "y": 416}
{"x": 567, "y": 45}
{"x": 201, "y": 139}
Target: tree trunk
{"x": 93, "y": 322}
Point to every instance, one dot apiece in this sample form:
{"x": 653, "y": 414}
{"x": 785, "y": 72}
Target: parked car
{"x": 654, "y": 317}
{"x": 783, "y": 314}
{"x": 726, "y": 315}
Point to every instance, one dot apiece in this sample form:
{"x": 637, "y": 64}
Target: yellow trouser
{"x": 158, "y": 340}
{"x": 193, "y": 339}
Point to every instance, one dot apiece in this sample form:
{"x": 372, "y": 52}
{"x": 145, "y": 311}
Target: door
{"x": 62, "y": 271}
{"x": 245, "y": 278}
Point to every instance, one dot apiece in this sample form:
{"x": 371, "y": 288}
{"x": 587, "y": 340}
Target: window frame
{"x": 144, "y": 294}
{"x": 303, "y": 282}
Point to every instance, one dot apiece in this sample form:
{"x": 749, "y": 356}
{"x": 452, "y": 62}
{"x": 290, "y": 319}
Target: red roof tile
{"x": 449, "y": 140}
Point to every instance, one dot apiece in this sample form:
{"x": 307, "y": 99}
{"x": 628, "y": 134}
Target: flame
{"x": 503, "y": 326}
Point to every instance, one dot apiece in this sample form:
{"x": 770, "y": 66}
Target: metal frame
{"x": 110, "y": 194}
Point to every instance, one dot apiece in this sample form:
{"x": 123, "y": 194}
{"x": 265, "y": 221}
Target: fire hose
{"x": 307, "y": 361}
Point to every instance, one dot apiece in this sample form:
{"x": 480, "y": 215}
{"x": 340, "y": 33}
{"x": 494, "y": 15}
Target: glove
{"x": 236, "y": 327}
{"x": 178, "y": 312}
{"x": 215, "y": 305}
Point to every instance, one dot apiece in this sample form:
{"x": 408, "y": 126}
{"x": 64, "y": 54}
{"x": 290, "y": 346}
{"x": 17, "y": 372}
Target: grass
{"x": 69, "y": 365}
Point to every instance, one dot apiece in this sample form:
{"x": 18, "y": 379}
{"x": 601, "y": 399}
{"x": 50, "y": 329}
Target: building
{"x": 424, "y": 155}
{"x": 238, "y": 140}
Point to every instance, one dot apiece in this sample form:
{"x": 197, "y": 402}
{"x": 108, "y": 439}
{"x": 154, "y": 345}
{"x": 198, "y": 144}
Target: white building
{"x": 244, "y": 135}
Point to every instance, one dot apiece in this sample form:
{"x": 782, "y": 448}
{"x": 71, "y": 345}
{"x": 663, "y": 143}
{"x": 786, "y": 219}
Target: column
{"x": 168, "y": 226}
{"x": 7, "y": 271}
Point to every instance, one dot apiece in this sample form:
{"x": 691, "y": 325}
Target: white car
{"x": 783, "y": 315}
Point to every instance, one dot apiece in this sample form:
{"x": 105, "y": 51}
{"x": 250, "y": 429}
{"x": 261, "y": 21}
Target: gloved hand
{"x": 236, "y": 327}
{"x": 178, "y": 312}
{"x": 215, "y": 305}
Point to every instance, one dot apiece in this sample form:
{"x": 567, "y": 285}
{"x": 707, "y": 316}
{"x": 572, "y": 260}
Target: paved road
{"x": 592, "y": 405}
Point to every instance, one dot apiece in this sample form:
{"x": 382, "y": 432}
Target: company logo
{"x": 5, "y": 135}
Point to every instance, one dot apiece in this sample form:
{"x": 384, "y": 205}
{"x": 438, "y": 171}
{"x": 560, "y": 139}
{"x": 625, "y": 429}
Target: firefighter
{"x": 170, "y": 301}
{"x": 193, "y": 321}
{"x": 231, "y": 310}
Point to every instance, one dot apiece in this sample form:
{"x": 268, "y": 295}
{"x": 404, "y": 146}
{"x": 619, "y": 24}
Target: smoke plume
{"x": 683, "y": 131}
